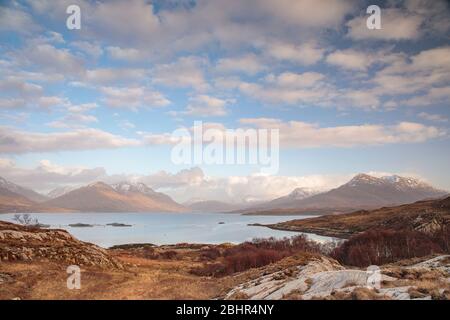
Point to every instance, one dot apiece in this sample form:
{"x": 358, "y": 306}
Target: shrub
{"x": 209, "y": 254}
{"x": 168, "y": 254}
{"x": 252, "y": 258}
{"x": 442, "y": 238}
{"x": 26, "y": 220}
{"x": 253, "y": 254}
{"x": 382, "y": 246}
{"x": 211, "y": 269}
{"x": 149, "y": 253}
{"x": 152, "y": 254}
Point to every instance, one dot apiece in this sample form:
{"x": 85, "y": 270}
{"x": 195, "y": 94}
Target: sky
{"x": 101, "y": 103}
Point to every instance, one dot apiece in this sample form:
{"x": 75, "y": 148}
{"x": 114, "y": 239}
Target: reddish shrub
{"x": 151, "y": 253}
{"x": 382, "y": 246}
{"x": 442, "y": 238}
{"x": 209, "y": 254}
{"x": 253, "y": 254}
{"x": 255, "y": 258}
{"x": 168, "y": 254}
{"x": 211, "y": 269}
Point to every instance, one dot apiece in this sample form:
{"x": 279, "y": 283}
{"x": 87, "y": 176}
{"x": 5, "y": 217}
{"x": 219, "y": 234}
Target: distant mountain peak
{"x": 127, "y": 186}
{"x": 363, "y": 178}
{"x": 119, "y": 197}
{"x": 98, "y": 184}
{"x": 301, "y": 193}
{"x": 57, "y": 192}
{"x": 27, "y": 193}
{"x": 396, "y": 181}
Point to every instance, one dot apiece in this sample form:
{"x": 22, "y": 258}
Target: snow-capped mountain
{"x": 25, "y": 192}
{"x": 57, "y": 192}
{"x": 120, "y": 197}
{"x": 125, "y": 187}
{"x": 362, "y": 192}
{"x": 397, "y": 182}
{"x": 365, "y": 191}
{"x": 288, "y": 201}
{"x": 301, "y": 193}
{"x": 407, "y": 183}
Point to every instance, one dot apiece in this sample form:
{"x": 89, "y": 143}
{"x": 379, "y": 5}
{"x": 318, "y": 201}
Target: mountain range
{"x": 361, "y": 192}
{"x": 95, "y": 197}
{"x": 121, "y": 197}
{"x": 25, "y": 192}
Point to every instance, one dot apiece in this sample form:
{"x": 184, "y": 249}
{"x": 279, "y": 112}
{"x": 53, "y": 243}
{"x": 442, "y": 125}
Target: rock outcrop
{"x": 20, "y": 243}
{"x": 325, "y": 278}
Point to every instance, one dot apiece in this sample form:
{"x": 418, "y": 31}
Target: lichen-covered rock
{"x": 28, "y": 244}
{"x": 324, "y": 278}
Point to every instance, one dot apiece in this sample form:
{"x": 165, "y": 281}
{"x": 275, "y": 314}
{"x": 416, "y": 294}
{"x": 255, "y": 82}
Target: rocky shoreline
{"x": 326, "y": 232}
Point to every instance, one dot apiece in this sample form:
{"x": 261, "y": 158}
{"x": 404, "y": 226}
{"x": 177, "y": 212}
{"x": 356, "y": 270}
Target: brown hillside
{"x": 427, "y": 216}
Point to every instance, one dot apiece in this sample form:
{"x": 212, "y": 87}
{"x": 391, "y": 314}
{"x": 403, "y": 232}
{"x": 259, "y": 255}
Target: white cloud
{"x": 350, "y": 59}
{"x": 432, "y": 97}
{"x": 16, "y": 141}
{"x": 107, "y": 19}
{"x": 126, "y": 54}
{"x": 50, "y": 58}
{"x": 396, "y": 24}
{"x": 185, "y": 72}
{"x": 17, "y": 86}
{"x": 309, "y": 13}
{"x": 239, "y": 189}
{"x": 114, "y": 75}
{"x": 276, "y": 89}
{"x": 22, "y": 94}
{"x": 299, "y": 80}
{"x": 307, "y": 53}
{"x": 133, "y": 97}
{"x": 436, "y": 58}
{"x": 55, "y": 37}
{"x": 13, "y": 103}
{"x": 47, "y": 175}
{"x": 14, "y": 19}
{"x": 73, "y": 120}
{"x": 249, "y": 64}
{"x": 297, "y": 134}
{"x": 416, "y": 74}
{"x": 404, "y": 20}
{"x": 206, "y": 106}
{"x": 433, "y": 117}
{"x": 91, "y": 49}
{"x": 51, "y": 101}
{"x": 182, "y": 186}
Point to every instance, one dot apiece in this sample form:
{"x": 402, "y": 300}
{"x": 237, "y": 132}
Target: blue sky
{"x": 99, "y": 103}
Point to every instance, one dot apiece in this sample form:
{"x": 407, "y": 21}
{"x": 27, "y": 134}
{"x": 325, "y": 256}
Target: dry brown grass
{"x": 142, "y": 279}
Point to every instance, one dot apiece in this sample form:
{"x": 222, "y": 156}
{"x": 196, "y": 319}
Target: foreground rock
{"x": 325, "y": 278}
{"x": 19, "y": 243}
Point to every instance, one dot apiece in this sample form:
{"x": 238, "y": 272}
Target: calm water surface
{"x": 165, "y": 228}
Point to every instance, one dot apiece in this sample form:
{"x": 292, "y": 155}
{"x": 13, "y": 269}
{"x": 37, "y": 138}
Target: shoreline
{"x": 336, "y": 234}
{"x": 333, "y": 233}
